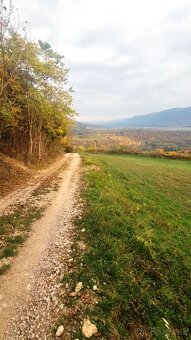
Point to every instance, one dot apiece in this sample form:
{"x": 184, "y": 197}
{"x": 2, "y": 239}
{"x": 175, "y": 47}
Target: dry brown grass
{"x": 12, "y": 174}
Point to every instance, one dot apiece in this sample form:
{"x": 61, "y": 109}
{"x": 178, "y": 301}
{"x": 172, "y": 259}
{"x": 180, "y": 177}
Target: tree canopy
{"x": 35, "y": 101}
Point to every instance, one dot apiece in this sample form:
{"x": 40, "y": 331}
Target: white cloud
{"x": 95, "y": 54}
{"x": 126, "y": 57}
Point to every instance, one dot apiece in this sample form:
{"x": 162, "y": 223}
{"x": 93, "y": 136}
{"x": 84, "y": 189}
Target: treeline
{"x": 35, "y": 101}
{"x": 184, "y": 154}
{"x": 121, "y": 150}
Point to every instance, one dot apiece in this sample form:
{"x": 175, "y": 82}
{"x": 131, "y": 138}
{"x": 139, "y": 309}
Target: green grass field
{"x": 138, "y": 223}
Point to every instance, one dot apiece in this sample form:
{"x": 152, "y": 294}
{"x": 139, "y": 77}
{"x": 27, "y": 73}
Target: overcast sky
{"x": 126, "y": 57}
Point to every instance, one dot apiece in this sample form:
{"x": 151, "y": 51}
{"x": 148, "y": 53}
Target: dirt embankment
{"x": 12, "y": 174}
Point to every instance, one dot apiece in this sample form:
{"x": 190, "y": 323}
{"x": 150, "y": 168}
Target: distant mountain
{"x": 172, "y": 118}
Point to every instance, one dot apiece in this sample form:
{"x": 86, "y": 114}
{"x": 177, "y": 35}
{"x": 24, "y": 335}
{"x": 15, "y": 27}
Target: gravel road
{"x": 30, "y": 292}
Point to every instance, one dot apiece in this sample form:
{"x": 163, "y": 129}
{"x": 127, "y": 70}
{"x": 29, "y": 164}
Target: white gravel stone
{"x": 60, "y": 331}
{"x": 88, "y": 328}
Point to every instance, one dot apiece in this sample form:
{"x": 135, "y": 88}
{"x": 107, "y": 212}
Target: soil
{"x": 12, "y": 174}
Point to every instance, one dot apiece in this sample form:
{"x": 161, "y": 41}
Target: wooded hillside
{"x": 35, "y": 101}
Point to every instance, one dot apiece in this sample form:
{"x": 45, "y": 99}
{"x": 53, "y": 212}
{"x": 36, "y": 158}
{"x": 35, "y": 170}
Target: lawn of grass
{"x": 138, "y": 222}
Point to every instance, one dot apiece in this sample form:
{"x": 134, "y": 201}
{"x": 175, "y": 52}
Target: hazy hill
{"x": 178, "y": 117}
{"x": 172, "y": 118}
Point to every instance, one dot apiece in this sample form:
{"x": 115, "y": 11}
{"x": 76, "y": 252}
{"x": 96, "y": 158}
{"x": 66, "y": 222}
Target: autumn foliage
{"x": 155, "y": 143}
{"x": 35, "y": 101}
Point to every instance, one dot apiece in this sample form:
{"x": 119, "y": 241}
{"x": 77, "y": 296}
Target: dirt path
{"x": 30, "y": 291}
{"x": 20, "y": 195}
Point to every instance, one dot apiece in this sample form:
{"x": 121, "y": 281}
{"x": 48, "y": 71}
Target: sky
{"x": 126, "y": 57}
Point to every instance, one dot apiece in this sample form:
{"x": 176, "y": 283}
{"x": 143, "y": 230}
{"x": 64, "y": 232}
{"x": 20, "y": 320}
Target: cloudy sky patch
{"x": 126, "y": 57}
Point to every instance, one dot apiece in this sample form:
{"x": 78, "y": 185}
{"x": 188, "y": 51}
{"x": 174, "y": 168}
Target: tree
{"x": 36, "y": 104}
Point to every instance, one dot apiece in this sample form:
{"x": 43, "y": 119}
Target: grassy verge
{"x": 14, "y": 229}
{"x": 137, "y": 223}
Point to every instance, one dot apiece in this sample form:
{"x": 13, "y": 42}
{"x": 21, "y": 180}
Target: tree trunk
{"x": 40, "y": 139}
